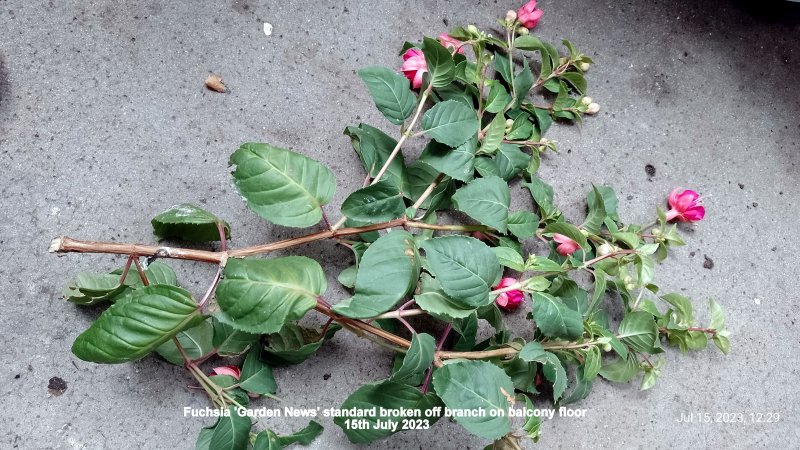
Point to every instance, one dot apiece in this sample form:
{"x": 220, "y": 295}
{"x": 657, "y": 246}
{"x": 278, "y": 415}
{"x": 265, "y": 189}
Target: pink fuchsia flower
{"x": 451, "y": 43}
{"x": 509, "y": 300}
{"x": 528, "y": 15}
{"x": 414, "y": 66}
{"x": 566, "y": 246}
{"x": 685, "y": 206}
{"x": 233, "y": 371}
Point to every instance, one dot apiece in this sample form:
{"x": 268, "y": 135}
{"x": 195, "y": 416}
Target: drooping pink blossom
{"x": 450, "y": 43}
{"x": 566, "y": 246}
{"x": 685, "y": 206}
{"x": 233, "y": 371}
{"x": 414, "y": 66}
{"x": 528, "y": 15}
{"x": 509, "y": 300}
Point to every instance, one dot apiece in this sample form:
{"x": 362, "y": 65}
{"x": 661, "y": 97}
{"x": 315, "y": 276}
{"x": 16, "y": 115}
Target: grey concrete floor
{"x": 104, "y": 122}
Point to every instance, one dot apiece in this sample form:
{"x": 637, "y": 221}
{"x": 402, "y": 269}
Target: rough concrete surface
{"x": 104, "y": 122}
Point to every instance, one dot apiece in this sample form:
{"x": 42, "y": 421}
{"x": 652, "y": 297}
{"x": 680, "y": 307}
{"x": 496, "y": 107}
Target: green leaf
{"x": 389, "y": 395}
{"x": 433, "y": 300}
{"x": 418, "y": 358}
{"x": 581, "y": 390}
{"x": 645, "y": 268}
{"x": 190, "y": 223}
{"x": 632, "y": 240}
{"x": 502, "y": 65}
{"x": 440, "y": 64}
{"x": 532, "y": 422}
{"x": 379, "y": 202}
{"x": 260, "y": 295}
{"x": 267, "y": 440}
{"x": 597, "y": 212}
{"x": 576, "y": 80}
{"x": 542, "y": 264}
{"x": 521, "y": 129}
{"x": 568, "y": 230}
{"x": 458, "y": 163}
{"x": 683, "y": 314}
{"x": 420, "y": 176}
{"x": 591, "y": 363}
{"x": 156, "y": 273}
{"x": 542, "y": 194}
{"x": 494, "y": 135}
{"x": 572, "y": 295}
{"x": 450, "y": 122}
{"x": 720, "y": 338}
{"x": 609, "y": 199}
{"x": 523, "y": 82}
{"x": 91, "y": 288}
{"x": 523, "y": 224}
{"x": 229, "y": 341}
{"x": 476, "y": 385}
{"x": 137, "y": 324}
{"x": 196, "y": 342}
{"x": 294, "y": 344}
{"x": 498, "y": 99}
{"x": 467, "y": 328}
{"x": 388, "y": 272}
{"x": 555, "y": 319}
{"x": 510, "y": 161}
{"x": 374, "y": 147}
{"x": 282, "y": 186}
{"x": 486, "y": 167}
{"x": 466, "y": 268}
{"x": 256, "y": 375}
{"x": 231, "y": 432}
{"x": 509, "y": 258}
{"x": 390, "y": 91}
{"x": 534, "y": 352}
{"x": 485, "y": 200}
{"x": 347, "y": 277}
{"x": 302, "y": 437}
{"x": 622, "y": 370}
{"x": 638, "y": 329}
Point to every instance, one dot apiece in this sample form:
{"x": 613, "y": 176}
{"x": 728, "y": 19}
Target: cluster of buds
{"x": 588, "y": 106}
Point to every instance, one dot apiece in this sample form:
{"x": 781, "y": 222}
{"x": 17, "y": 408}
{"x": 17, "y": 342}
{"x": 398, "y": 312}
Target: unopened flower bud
{"x": 586, "y": 101}
{"x": 627, "y": 280}
{"x": 584, "y": 66}
{"x": 511, "y": 16}
{"x": 522, "y": 31}
{"x": 606, "y": 347}
{"x": 656, "y": 232}
{"x": 605, "y": 249}
{"x": 472, "y": 29}
{"x": 509, "y": 123}
{"x": 562, "y": 61}
{"x": 630, "y": 286}
{"x": 593, "y": 108}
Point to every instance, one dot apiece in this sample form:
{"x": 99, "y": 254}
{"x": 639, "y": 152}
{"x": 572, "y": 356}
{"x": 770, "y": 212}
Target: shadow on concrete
{"x": 5, "y": 88}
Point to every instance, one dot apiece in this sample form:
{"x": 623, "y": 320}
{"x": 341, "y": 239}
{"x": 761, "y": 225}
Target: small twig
{"x": 142, "y": 275}
{"x": 126, "y": 270}
{"x": 439, "y": 345}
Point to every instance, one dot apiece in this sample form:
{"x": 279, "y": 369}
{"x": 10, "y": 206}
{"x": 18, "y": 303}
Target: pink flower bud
{"x": 233, "y": 371}
{"x": 509, "y": 300}
{"x": 414, "y": 66}
{"x": 566, "y": 245}
{"x": 528, "y": 15}
{"x": 451, "y": 43}
{"x": 685, "y": 206}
